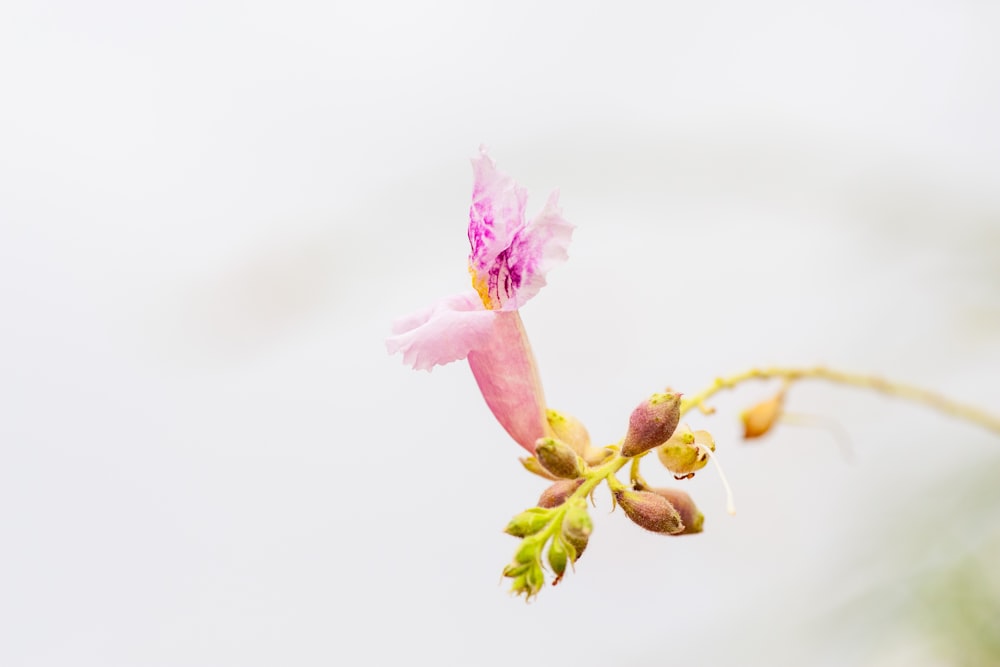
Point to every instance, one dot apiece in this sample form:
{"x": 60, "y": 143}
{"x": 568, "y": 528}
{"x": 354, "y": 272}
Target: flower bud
{"x": 577, "y": 526}
{"x": 578, "y": 543}
{"x": 558, "y": 458}
{"x": 532, "y": 465}
{"x": 529, "y": 551}
{"x": 516, "y": 569}
{"x": 528, "y": 522}
{"x": 597, "y": 455}
{"x": 527, "y": 580}
{"x": 569, "y": 429}
{"x": 759, "y": 419}
{"x": 558, "y": 556}
{"x": 651, "y": 511}
{"x": 652, "y": 423}
{"x": 557, "y": 494}
{"x": 684, "y": 453}
{"x": 692, "y": 518}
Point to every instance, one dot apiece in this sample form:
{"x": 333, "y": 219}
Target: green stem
{"x": 899, "y": 390}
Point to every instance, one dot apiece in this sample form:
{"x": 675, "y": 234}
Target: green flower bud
{"x": 528, "y": 583}
{"x": 529, "y": 552}
{"x": 528, "y": 522}
{"x": 516, "y": 569}
{"x": 558, "y": 557}
{"x": 557, "y": 494}
{"x": 558, "y": 458}
{"x": 652, "y": 423}
{"x": 577, "y": 527}
{"x": 651, "y": 511}
{"x": 692, "y": 518}
{"x": 576, "y": 543}
{"x": 535, "y": 580}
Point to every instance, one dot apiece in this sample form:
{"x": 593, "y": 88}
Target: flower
{"x": 508, "y": 261}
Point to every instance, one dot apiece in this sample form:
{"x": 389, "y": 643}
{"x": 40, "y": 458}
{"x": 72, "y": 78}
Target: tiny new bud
{"x": 557, "y": 494}
{"x": 577, "y": 526}
{"x": 558, "y": 458}
{"x": 693, "y": 519}
{"x": 529, "y": 551}
{"x": 558, "y": 556}
{"x": 651, "y": 511}
{"x": 576, "y": 541}
{"x": 528, "y": 522}
{"x": 759, "y": 419}
{"x": 652, "y": 423}
{"x": 515, "y": 569}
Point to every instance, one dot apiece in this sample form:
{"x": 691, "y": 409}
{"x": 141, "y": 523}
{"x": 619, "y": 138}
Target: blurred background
{"x": 210, "y": 213}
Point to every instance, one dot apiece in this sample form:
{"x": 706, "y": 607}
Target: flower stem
{"x": 906, "y": 392}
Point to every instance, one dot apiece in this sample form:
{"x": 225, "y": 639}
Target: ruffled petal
{"x": 533, "y": 252}
{"x": 507, "y": 376}
{"x": 443, "y": 333}
{"x": 496, "y": 214}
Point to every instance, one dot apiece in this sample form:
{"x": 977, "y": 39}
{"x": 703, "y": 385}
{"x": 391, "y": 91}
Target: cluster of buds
{"x": 560, "y": 521}
{"x": 564, "y": 528}
{"x": 556, "y": 531}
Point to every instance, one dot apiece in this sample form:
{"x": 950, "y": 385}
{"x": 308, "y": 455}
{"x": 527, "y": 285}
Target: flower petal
{"x": 507, "y": 376}
{"x": 534, "y": 251}
{"x": 496, "y": 214}
{"x": 443, "y": 333}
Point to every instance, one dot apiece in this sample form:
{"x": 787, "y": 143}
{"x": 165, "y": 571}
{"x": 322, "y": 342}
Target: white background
{"x": 210, "y": 212}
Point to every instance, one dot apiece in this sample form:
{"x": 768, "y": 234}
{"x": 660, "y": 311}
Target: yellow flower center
{"x": 482, "y": 288}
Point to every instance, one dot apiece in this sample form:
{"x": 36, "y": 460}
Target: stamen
{"x": 730, "y": 503}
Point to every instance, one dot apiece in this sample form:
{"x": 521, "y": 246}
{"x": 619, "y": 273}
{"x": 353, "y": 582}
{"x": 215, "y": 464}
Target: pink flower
{"x": 508, "y": 262}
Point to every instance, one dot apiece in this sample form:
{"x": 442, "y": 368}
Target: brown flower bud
{"x": 557, "y": 494}
{"x": 693, "y": 519}
{"x": 558, "y": 458}
{"x": 651, "y": 511}
{"x": 652, "y": 423}
{"x": 759, "y": 419}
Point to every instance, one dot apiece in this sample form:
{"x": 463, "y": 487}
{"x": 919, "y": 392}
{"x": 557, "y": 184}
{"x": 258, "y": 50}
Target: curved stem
{"x": 899, "y": 390}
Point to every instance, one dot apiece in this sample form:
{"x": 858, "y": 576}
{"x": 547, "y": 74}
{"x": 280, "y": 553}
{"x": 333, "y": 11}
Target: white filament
{"x": 730, "y": 503}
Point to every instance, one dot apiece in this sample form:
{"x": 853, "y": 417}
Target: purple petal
{"x": 533, "y": 252}
{"x": 445, "y": 332}
{"x": 509, "y": 260}
{"x": 496, "y": 215}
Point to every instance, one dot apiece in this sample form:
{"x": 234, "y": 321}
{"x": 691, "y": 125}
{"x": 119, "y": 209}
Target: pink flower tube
{"x": 508, "y": 262}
